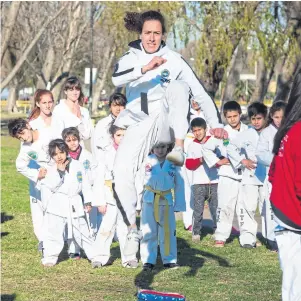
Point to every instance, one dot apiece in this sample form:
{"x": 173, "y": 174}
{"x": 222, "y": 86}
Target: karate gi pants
{"x": 112, "y": 222}
{"x": 251, "y": 196}
{"x": 289, "y": 252}
{"x": 153, "y": 233}
{"x": 139, "y": 139}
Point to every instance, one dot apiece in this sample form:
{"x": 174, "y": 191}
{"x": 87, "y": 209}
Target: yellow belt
{"x": 108, "y": 183}
{"x": 161, "y": 194}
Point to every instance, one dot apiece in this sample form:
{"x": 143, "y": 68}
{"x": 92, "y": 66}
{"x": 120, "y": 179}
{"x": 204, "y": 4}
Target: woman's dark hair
{"x": 257, "y": 108}
{"x": 17, "y": 126}
{"x": 118, "y": 98}
{"x": 113, "y": 129}
{"x": 135, "y": 21}
{"x": 57, "y": 143}
{"x": 72, "y": 131}
{"x": 199, "y": 123}
{"x": 231, "y": 106}
{"x": 37, "y": 98}
{"x": 292, "y": 113}
{"x": 276, "y": 106}
{"x": 73, "y": 82}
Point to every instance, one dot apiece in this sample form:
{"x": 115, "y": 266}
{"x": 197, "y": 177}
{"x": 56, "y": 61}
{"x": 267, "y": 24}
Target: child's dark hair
{"x": 135, "y": 21}
{"x": 57, "y": 143}
{"x": 231, "y": 106}
{"x": 276, "y": 106}
{"x": 72, "y": 82}
{"x": 118, "y": 99}
{"x": 198, "y": 123}
{"x": 113, "y": 129}
{"x": 257, "y": 108}
{"x": 72, "y": 131}
{"x": 17, "y": 126}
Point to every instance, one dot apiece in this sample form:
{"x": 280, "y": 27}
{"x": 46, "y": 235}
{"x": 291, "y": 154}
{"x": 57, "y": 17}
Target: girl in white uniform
{"x": 70, "y": 111}
{"x": 61, "y": 197}
{"x": 39, "y": 118}
{"x": 158, "y": 222}
{"x": 112, "y": 220}
{"x": 264, "y": 154}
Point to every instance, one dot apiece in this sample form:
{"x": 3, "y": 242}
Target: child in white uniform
{"x": 159, "y": 177}
{"x": 229, "y": 178}
{"x": 264, "y": 154}
{"x": 34, "y": 150}
{"x": 112, "y": 220}
{"x": 71, "y": 137}
{"x": 70, "y": 111}
{"x": 61, "y": 197}
{"x": 253, "y": 173}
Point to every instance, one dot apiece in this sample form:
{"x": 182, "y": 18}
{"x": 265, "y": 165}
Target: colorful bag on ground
{"x": 149, "y": 295}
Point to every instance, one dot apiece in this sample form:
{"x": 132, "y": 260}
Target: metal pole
{"x": 91, "y": 58}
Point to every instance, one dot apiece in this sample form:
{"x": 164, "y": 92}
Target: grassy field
{"x": 207, "y": 273}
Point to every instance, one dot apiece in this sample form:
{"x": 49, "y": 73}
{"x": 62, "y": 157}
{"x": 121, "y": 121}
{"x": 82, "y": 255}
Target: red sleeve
{"x": 272, "y": 170}
{"x": 193, "y": 164}
{"x": 296, "y": 146}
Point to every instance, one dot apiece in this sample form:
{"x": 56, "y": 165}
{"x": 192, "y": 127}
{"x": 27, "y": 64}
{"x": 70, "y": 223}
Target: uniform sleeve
{"x": 22, "y": 163}
{"x": 87, "y": 189}
{"x": 234, "y": 149}
{"x": 85, "y": 127}
{"x": 98, "y": 187}
{"x": 209, "y": 154}
{"x": 179, "y": 191}
{"x": 57, "y": 124}
{"x": 193, "y": 160}
{"x": 200, "y": 95}
{"x": 126, "y": 70}
{"x": 296, "y": 146}
{"x": 263, "y": 154}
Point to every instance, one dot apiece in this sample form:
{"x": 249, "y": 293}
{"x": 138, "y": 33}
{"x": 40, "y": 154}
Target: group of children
{"x": 72, "y": 191}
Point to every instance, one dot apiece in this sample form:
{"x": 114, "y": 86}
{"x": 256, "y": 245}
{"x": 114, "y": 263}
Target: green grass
{"x": 207, "y": 273}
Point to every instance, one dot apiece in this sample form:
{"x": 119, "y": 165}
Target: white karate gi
{"x": 64, "y": 208}
{"x": 63, "y": 118}
{"x": 168, "y": 89}
{"x": 228, "y": 186}
{"x": 112, "y": 221}
{"x": 31, "y": 158}
{"x": 160, "y": 179}
{"x": 264, "y": 154}
{"x": 252, "y": 192}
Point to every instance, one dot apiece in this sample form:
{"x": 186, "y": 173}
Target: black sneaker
{"x": 74, "y": 256}
{"x": 147, "y": 267}
{"x": 248, "y": 246}
{"x": 171, "y": 265}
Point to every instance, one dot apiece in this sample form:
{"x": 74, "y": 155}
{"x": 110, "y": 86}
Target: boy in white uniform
{"x": 264, "y": 154}
{"x": 229, "y": 177}
{"x": 71, "y": 137}
{"x": 253, "y": 173}
{"x": 33, "y": 148}
{"x": 204, "y": 177}
{"x": 101, "y": 136}
{"x": 112, "y": 220}
{"x": 158, "y": 223}
{"x": 61, "y": 197}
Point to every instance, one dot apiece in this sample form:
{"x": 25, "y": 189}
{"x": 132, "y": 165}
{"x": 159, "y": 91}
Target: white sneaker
{"x": 176, "y": 156}
{"x": 132, "y": 242}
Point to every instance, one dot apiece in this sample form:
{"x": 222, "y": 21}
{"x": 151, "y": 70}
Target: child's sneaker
{"x": 248, "y": 246}
{"x": 132, "y": 264}
{"x": 219, "y": 244}
{"x": 96, "y": 264}
{"x": 176, "y": 156}
{"x": 74, "y": 256}
{"x": 48, "y": 265}
{"x": 171, "y": 265}
{"x": 132, "y": 242}
{"x": 189, "y": 228}
{"x": 196, "y": 238}
{"x": 147, "y": 267}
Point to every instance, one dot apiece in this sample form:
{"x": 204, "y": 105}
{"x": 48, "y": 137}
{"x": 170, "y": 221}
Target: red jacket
{"x": 285, "y": 176}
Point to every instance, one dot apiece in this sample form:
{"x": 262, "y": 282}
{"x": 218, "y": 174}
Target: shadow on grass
{"x": 187, "y": 257}
{"x": 8, "y": 297}
{"x": 5, "y": 218}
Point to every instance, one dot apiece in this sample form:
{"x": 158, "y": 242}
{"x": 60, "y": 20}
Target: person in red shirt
{"x": 285, "y": 177}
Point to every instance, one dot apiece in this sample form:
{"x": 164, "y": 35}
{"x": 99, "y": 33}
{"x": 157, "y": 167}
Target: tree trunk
{"x": 12, "y": 97}
{"x": 260, "y": 81}
{"x": 23, "y": 57}
{"x": 236, "y": 66}
{"x": 9, "y": 26}
{"x": 102, "y": 78}
{"x": 45, "y": 75}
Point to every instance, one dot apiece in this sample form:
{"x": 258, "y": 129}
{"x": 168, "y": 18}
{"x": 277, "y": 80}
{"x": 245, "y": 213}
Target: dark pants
{"x": 202, "y": 193}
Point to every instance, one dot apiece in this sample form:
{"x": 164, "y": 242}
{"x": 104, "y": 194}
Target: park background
{"x": 244, "y": 51}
